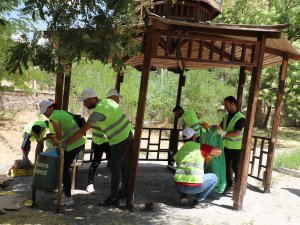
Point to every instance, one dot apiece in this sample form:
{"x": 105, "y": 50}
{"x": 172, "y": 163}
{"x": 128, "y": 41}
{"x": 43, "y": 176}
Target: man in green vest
{"x": 188, "y": 118}
{"x": 189, "y": 176}
{"x": 63, "y": 125}
{"x": 33, "y": 131}
{"x": 232, "y": 133}
{"x": 109, "y": 117}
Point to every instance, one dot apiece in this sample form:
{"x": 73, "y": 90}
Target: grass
{"x": 291, "y": 160}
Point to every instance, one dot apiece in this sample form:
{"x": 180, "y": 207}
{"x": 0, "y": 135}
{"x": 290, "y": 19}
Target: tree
{"x": 98, "y": 29}
{"x": 270, "y": 12}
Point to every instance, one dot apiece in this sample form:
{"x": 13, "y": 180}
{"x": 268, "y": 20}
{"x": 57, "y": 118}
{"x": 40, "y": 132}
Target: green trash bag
{"x": 216, "y": 165}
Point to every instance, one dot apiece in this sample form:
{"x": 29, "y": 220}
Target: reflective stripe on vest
{"x": 98, "y": 136}
{"x": 190, "y": 163}
{"x": 119, "y": 130}
{"x": 116, "y": 125}
{"x": 197, "y": 165}
{"x": 188, "y": 172}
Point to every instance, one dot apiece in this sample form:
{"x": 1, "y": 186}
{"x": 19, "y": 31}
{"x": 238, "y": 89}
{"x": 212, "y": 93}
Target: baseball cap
{"x": 87, "y": 93}
{"x": 45, "y": 104}
{"x": 113, "y": 92}
{"x": 187, "y": 133}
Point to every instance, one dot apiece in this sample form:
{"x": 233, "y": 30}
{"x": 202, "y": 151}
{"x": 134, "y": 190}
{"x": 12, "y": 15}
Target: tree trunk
{"x": 267, "y": 117}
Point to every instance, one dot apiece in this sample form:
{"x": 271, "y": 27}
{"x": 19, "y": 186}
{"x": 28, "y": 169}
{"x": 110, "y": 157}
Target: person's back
{"x": 68, "y": 127}
{"x": 116, "y": 125}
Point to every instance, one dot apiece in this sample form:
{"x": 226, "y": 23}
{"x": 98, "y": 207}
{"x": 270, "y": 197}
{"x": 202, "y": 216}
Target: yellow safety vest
{"x": 233, "y": 142}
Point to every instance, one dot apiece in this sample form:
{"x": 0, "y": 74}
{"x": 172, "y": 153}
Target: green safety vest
{"x": 191, "y": 120}
{"x": 233, "y": 142}
{"x": 116, "y": 126}
{"x": 189, "y": 163}
{"x": 28, "y": 130}
{"x": 98, "y": 136}
{"x": 68, "y": 127}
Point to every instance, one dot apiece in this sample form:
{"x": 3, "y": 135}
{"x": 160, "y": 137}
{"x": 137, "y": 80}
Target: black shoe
{"x": 183, "y": 199}
{"x": 199, "y": 205}
{"x": 228, "y": 188}
{"x": 109, "y": 202}
{"x": 122, "y": 195}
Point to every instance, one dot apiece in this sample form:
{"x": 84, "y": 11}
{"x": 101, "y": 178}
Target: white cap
{"x": 187, "y": 133}
{"x": 45, "y": 104}
{"x": 87, "y": 93}
{"x": 113, "y": 92}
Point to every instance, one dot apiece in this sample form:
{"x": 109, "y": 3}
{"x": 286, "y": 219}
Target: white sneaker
{"x": 67, "y": 201}
{"x": 90, "y": 188}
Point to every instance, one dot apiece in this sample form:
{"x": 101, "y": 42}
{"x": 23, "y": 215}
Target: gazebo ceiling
{"x": 208, "y": 45}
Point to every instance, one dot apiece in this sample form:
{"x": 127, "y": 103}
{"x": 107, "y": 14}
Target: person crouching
{"x": 189, "y": 176}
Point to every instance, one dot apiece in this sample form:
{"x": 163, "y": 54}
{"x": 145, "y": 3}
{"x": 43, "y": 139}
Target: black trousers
{"x": 98, "y": 153}
{"x": 232, "y": 158}
{"x": 69, "y": 157}
{"x": 119, "y": 154}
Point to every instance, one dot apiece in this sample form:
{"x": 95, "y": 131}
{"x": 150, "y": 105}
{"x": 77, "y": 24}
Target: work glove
{"x": 207, "y": 158}
{"x": 205, "y": 125}
{"x": 221, "y": 131}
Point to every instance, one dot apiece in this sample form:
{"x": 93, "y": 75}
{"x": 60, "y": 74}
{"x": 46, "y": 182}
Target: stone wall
{"x": 18, "y": 100}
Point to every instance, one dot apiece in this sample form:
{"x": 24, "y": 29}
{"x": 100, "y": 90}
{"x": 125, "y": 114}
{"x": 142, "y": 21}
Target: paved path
{"x": 155, "y": 184}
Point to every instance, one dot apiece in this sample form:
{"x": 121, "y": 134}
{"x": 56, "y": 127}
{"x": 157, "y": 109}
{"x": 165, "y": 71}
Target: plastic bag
{"x": 216, "y": 165}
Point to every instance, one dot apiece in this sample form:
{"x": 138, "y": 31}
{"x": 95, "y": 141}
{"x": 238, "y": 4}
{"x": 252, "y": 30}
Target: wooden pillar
{"x": 241, "y": 85}
{"x": 241, "y": 184}
{"x": 173, "y": 146}
{"x": 60, "y": 78}
{"x": 151, "y": 42}
{"x": 119, "y": 80}
{"x": 278, "y": 106}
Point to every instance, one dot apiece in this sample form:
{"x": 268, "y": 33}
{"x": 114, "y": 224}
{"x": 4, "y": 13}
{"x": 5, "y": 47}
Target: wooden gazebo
{"x": 179, "y": 36}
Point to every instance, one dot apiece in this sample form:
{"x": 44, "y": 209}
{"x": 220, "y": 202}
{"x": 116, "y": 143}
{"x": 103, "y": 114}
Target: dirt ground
{"x": 154, "y": 184}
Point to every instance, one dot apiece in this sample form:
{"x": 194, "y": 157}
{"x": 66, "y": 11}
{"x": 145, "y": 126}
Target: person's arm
{"x": 79, "y": 133}
{"x": 238, "y": 127}
{"x": 93, "y": 118}
{"x": 208, "y": 151}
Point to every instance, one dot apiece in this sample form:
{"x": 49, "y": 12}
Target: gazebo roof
{"x": 220, "y": 45}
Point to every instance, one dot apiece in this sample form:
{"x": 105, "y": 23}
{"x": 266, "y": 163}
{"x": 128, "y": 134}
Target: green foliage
{"x": 204, "y": 93}
{"x": 99, "y": 29}
{"x": 289, "y": 160}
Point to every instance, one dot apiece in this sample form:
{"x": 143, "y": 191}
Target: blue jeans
{"x": 209, "y": 182}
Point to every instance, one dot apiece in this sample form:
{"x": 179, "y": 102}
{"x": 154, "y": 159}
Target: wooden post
{"x": 242, "y": 80}
{"x": 119, "y": 80}
{"x": 271, "y": 150}
{"x": 173, "y": 146}
{"x": 241, "y": 184}
{"x": 151, "y": 42}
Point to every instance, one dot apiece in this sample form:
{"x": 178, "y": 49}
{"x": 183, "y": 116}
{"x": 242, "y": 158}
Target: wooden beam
{"x": 172, "y": 25}
{"x": 229, "y": 63}
{"x": 241, "y": 184}
{"x": 151, "y": 41}
{"x": 241, "y": 85}
{"x": 278, "y": 106}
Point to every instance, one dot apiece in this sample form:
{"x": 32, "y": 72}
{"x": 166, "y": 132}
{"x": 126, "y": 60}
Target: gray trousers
{"x": 118, "y": 155}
